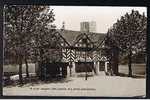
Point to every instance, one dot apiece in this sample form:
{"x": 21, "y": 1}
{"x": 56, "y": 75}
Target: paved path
{"x": 95, "y": 86}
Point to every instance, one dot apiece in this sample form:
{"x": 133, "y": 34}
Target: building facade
{"x": 88, "y": 26}
{"x": 92, "y": 26}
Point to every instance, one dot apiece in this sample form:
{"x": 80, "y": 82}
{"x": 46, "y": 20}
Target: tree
{"x": 129, "y": 34}
{"x": 13, "y": 36}
{"x": 112, "y": 53}
{"x": 21, "y": 24}
{"x": 42, "y": 39}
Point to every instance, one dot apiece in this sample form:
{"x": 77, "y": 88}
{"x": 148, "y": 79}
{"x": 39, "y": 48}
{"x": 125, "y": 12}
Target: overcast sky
{"x": 104, "y": 16}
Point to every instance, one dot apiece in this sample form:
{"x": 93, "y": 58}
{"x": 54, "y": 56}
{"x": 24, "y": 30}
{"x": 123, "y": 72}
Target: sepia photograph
{"x": 89, "y": 51}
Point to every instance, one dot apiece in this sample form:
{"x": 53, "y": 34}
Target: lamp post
{"x": 86, "y": 65}
{"x": 86, "y": 45}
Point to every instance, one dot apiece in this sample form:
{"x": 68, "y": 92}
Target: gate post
{"x": 106, "y": 67}
{"x": 73, "y": 69}
{"x": 97, "y": 67}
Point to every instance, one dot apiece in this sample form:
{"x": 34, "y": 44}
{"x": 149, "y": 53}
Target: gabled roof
{"x": 71, "y": 36}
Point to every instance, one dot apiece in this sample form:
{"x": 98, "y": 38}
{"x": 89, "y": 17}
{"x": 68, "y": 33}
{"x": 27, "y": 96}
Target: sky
{"x": 105, "y": 16}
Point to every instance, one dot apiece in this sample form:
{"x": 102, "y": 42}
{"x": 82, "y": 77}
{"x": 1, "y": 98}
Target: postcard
{"x": 89, "y": 51}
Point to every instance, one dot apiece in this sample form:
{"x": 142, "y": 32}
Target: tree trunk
{"x": 27, "y": 68}
{"x": 20, "y": 53}
{"x": 20, "y": 70}
{"x": 115, "y": 60}
{"x": 129, "y": 63}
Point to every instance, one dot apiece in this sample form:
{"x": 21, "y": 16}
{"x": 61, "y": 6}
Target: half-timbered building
{"x": 75, "y": 52}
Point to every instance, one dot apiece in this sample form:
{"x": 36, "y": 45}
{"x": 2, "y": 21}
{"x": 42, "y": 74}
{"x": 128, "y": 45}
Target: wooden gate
{"x": 53, "y": 70}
